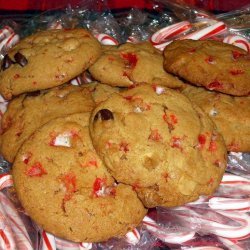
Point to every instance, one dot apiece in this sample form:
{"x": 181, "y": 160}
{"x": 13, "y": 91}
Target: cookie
{"x": 129, "y": 64}
{"x": 47, "y": 59}
{"x": 215, "y": 65}
{"x": 154, "y": 139}
{"x": 28, "y": 112}
{"x": 65, "y": 188}
{"x": 230, "y": 114}
{"x": 100, "y": 92}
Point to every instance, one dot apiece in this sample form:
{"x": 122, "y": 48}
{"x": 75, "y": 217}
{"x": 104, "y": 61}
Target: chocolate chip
{"x": 6, "y": 62}
{"x": 104, "y": 114}
{"x": 20, "y": 59}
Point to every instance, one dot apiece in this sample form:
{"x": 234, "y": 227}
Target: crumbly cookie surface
{"x": 230, "y": 114}
{"x": 129, "y": 64}
{"x": 215, "y": 65}
{"x": 47, "y": 59}
{"x": 65, "y": 188}
{"x": 28, "y": 112}
{"x": 156, "y": 140}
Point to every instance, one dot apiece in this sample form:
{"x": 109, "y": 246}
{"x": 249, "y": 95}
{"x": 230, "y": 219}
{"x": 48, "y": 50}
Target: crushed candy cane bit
{"x": 236, "y": 72}
{"x": 124, "y": 147}
{"x": 26, "y": 157}
{"x": 202, "y": 140}
{"x": 69, "y": 182}
{"x": 158, "y": 89}
{"x": 215, "y": 85}
{"x": 155, "y": 135}
{"x": 236, "y": 54}
{"x": 36, "y": 170}
{"x": 210, "y": 60}
{"x": 100, "y": 188}
{"x": 130, "y": 58}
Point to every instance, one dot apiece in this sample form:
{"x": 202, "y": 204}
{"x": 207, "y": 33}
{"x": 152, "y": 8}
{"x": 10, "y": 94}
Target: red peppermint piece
{"x": 36, "y": 170}
{"x": 173, "y": 118}
{"x": 154, "y": 135}
{"x": 176, "y": 142}
{"x": 235, "y": 72}
{"x": 212, "y": 146}
{"x": 69, "y": 181}
{"x": 211, "y": 181}
{"x": 110, "y": 58}
{"x": 98, "y": 185}
{"x": 202, "y": 140}
{"x": 236, "y": 54}
{"x": 215, "y": 85}
{"x": 130, "y": 58}
{"x": 209, "y": 60}
{"x": 26, "y": 157}
{"x": 124, "y": 147}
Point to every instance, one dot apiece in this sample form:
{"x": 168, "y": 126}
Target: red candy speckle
{"x": 36, "y": 170}
{"x": 212, "y": 146}
{"x": 235, "y": 72}
{"x": 97, "y": 186}
{"x": 155, "y": 135}
{"x": 130, "y": 58}
{"x": 202, "y": 140}
{"x": 171, "y": 120}
{"x": 129, "y": 97}
{"x": 124, "y": 147}
{"x": 69, "y": 181}
{"x": 209, "y": 60}
{"x": 176, "y": 142}
{"x": 192, "y": 50}
{"x": 26, "y": 157}
{"x": 215, "y": 85}
{"x": 236, "y": 54}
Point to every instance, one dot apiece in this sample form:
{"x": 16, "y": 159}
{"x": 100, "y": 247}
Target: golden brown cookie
{"x": 129, "y": 64}
{"x": 156, "y": 140}
{"x": 65, "y": 188}
{"x": 215, "y": 65}
{"x": 230, "y": 114}
{"x": 28, "y": 112}
{"x": 47, "y": 59}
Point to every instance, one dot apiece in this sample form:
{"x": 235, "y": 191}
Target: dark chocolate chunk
{"x": 104, "y": 114}
{"x": 20, "y": 59}
{"x": 6, "y": 62}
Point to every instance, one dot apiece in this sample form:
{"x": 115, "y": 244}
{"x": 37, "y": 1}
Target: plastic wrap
{"x": 221, "y": 221}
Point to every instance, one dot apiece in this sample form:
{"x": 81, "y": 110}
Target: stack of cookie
{"x": 89, "y": 160}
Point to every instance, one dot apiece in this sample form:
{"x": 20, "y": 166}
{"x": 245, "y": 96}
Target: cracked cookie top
{"x": 154, "y": 139}
{"x": 47, "y": 59}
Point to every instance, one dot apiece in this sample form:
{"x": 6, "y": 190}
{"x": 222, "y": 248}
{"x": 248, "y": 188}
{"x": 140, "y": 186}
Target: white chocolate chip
{"x": 213, "y": 112}
{"x": 137, "y": 110}
{"x": 159, "y": 90}
{"x": 63, "y": 140}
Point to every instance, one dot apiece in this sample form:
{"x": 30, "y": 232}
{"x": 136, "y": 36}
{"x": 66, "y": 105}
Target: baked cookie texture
{"x": 154, "y": 139}
{"x": 28, "y": 112}
{"x": 230, "y": 114}
{"x": 65, "y": 188}
{"x": 47, "y": 59}
{"x": 129, "y": 64}
{"x": 215, "y": 65}
{"x": 100, "y": 92}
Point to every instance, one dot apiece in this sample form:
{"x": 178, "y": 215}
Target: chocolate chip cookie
{"x": 154, "y": 139}
{"x": 47, "y": 59}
